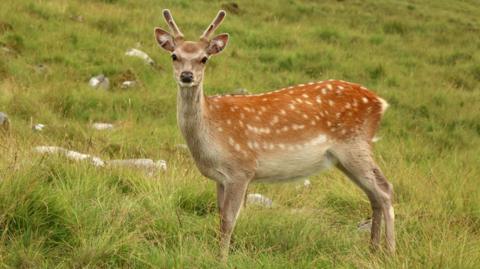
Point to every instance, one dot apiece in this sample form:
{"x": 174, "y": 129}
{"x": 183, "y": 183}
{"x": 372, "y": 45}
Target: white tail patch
{"x": 384, "y": 103}
{"x": 375, "y": 139}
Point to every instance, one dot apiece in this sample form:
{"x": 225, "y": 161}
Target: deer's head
{"x": 190, "y": 57}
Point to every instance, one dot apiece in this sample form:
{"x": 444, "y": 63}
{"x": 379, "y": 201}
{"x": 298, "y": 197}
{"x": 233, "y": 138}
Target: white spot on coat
{"x": 274, "y": 120}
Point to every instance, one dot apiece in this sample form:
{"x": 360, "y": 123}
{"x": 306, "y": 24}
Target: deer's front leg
{"x": 220, "y": 197}
{"x": 234, "y": 193}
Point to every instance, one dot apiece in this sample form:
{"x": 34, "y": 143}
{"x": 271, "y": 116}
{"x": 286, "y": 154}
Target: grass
{"x": 421, "y": 56}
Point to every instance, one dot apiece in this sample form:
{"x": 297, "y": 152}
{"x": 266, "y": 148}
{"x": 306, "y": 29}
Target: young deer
{"x": 275, "y": 136}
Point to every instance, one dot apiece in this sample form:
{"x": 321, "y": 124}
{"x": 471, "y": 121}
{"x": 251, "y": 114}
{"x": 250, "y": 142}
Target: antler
{"x": 213, "y": 26}
{"x": 172, "y": 25}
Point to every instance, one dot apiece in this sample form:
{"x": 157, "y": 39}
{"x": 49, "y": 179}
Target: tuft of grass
{"x": 395, "y": 27}
{"x": 197, "y": 203}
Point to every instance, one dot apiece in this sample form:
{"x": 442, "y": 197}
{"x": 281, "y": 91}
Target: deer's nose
{"x": 186, "y": 77}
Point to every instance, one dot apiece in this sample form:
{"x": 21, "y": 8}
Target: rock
{"x": 258, "y": 199}
{"x": 4, "y": 122}
{"x": 140, "y": 54}
{"x": 161, "y": 164}
{"x": 240, "y": 91}
{"x": 140, "y": 163}
{"x": 128, "y": 84}
{"x": 147, "y": 165}
{"x": 102, "y": 126}
{"x": 70, "y": 154}
{"x": 365, "y": 225}
{"x": 38, "y": 127}
{"x": 49, "y": 149}
{"x": 77, "y": 156}
{"x": 96, "y": 161}
{"x": 99, "y": 82}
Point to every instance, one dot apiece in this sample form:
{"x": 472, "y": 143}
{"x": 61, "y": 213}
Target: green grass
{"x": 421, "y": 56}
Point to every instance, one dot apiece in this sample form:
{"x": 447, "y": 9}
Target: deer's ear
{"x": 164, "y": 39}
{"x": 217, "y": 44}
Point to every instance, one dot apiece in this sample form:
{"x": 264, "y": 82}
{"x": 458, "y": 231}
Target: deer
{"x": 285, "y": 134}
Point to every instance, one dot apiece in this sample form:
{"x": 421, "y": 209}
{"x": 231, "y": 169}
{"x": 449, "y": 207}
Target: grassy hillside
{"x": 421, "y": 56}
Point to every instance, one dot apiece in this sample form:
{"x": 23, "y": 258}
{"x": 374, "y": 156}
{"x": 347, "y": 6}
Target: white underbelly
{"x": 293, "y": 164}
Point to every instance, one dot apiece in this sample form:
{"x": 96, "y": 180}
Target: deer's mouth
{"x": 186, "y": 84}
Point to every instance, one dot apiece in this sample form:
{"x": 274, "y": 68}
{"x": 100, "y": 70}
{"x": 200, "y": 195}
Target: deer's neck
{"x": 191, "y": 117}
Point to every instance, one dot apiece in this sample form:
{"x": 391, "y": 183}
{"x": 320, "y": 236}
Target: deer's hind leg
{"x": 357, "y": 163}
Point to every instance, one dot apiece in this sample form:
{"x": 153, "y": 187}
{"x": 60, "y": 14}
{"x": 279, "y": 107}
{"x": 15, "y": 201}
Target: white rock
{"x": 148, "y": 165}
{"x": 4, "y": 122}
{"x": 49, "y": 149}
{"x": 145, "y": 164}
{"x": 76, "y": 156}
{"x": 134, "y": 162}
{"x": 161, "y": 164}
{"x": 258, "y": 199}
{"x": 70, "y": 154}
{"x": 99, "y": 81}
{"x": 3, "y": 117}
{"x": 38, "y": 127}
{"x": 128, "y": 84}
{"x": 98, "y": 162}
{"x": 102, "y": 126}
{"x": 140, "y": 54}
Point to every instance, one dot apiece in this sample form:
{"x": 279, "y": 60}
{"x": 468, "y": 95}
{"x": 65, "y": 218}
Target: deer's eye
{"x": 174, "y": 57}
{"x": 204, "y": 60}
